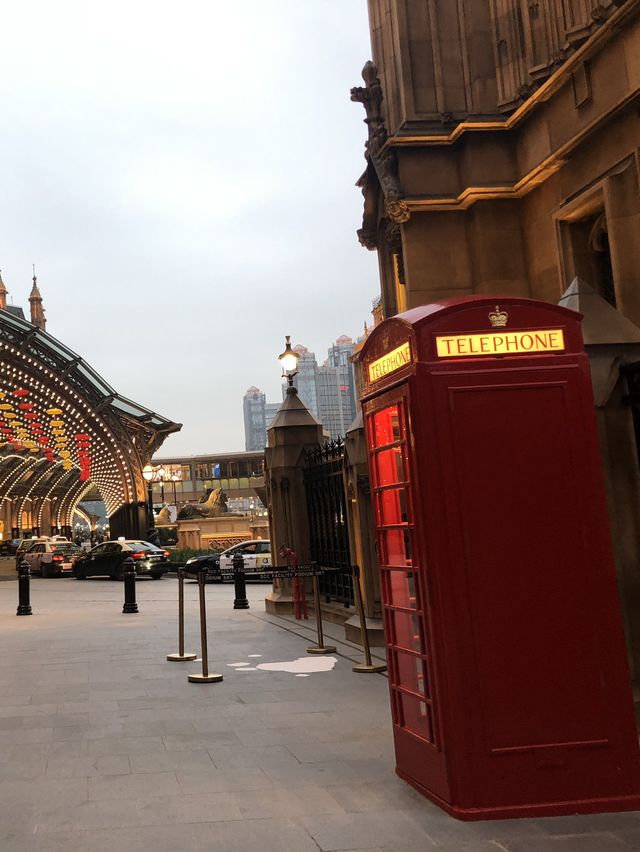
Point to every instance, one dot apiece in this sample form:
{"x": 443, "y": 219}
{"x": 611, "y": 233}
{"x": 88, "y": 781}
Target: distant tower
{"x": 35, "y": 301}
{"x": 3, "y": 294}
{"x": 255, "y": 429}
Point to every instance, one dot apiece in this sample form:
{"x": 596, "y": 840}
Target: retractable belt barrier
{"x": 367, "y": 666}
{"x": 181, "y": 657}
{"x": 206, "y": 676}
{"x": 300, "y": 572}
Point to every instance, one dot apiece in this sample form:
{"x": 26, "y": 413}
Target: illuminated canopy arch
{"x": 64, "y": 430}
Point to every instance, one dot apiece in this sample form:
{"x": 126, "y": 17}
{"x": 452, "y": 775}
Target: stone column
{"x": 611, "y": 342}
{"x": 293, "y": 430}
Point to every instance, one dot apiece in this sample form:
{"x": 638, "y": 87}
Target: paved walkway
{"x": 104, "y": 745}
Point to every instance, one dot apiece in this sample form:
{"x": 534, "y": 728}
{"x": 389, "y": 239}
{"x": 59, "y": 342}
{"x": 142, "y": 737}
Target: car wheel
{"x": 80, "y": 575}
{"x": 156, "y": 576}
{"x": 44, "y": 569}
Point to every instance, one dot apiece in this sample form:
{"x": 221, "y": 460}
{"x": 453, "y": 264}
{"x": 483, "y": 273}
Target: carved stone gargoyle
{"x": 381, "y": 161}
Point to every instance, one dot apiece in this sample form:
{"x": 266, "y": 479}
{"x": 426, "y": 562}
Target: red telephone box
{"x": 510, "y": 691}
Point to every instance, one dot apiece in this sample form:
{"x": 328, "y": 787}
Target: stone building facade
{"x": 503, "y": 158}
{"x": 503, "y": 150}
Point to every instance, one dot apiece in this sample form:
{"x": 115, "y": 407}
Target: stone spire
{"x": 3, "y": 293}
{"x": 35, "y": 301}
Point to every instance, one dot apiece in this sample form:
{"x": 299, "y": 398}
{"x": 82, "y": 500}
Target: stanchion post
{"x": 205, "y": 677}
{"x": 129, "y": 575}
{"x": 367, "y": 666}
{"x": 240, "y": 583}
{"x": 181, "y": 657}
{"x": 24, "y": 590}
{"x": 320, "y": 648}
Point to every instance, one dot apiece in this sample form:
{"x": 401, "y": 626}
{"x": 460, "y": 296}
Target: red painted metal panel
{"x": 509, "y": 685}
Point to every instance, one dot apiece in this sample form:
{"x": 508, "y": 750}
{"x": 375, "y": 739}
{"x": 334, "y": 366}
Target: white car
{"x": 256, "y": 554}
{"x": 51, "y": 557}
{"x": 26, "y": 544}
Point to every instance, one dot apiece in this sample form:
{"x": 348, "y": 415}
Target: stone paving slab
{"x": 104, "y": 744}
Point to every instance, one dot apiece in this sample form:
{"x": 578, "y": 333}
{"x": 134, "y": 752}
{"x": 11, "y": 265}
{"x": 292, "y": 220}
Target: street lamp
{"x": 161, "y": 475}
{"x": 148, "y": 474}
{"x": 289, "y": 363}
{"x": 175, "y": 477}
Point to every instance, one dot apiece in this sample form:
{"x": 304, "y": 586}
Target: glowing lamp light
{"x": 53, "y": 411}
{"x": 289, "y": 360}
{"x": 148, "y": 472}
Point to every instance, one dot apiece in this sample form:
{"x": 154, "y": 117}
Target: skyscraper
{"x": 306, "y": 380}
{"x": 255, "y": 430}
{"x": 270, "y": 411}
{"x": 336, "y": 388}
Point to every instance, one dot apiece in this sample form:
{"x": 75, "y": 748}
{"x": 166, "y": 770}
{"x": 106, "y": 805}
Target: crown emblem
{"x": 498, "y": 318}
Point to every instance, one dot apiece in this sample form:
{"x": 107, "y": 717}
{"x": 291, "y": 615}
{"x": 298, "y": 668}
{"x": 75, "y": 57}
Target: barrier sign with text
{"x": 301, "y": 571}
{"x": 284, "y": 573}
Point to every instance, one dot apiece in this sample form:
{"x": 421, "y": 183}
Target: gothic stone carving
{"x": 383, "y": 160}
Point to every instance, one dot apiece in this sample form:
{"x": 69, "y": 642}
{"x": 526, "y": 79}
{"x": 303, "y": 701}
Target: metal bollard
{"x": 320, "y": 648}
{"x": 181, "y": 656}
{"x": 205, "y": 677}
{"x": 367, "y": 666}
{"x": 24, "y": 592}
{"x": 129, "y": 574}
{"x": 240, "y": 583}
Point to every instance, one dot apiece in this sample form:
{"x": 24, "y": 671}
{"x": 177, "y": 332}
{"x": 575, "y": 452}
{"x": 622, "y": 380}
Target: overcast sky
{"x": 182, "y": 175}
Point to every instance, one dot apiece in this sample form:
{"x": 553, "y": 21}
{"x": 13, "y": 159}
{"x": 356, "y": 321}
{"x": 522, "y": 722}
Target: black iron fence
{"x": 327, "y": 510}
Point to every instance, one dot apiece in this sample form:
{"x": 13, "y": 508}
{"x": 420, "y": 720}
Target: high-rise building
{"x": 306, "y": 380}
{"x": 255, "y": 430}
{"x": 336, "y": 388}
{"x": 258, "y": 416}
{"x": 270, "y": 411}
{"x": 328, "y": 391}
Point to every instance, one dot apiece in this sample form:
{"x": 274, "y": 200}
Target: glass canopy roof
{"x": 64, "y": 429}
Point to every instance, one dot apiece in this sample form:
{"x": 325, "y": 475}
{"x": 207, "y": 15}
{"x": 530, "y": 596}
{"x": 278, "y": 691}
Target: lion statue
{"x": 210, "y": 505}
{"x": 163, "y": 516}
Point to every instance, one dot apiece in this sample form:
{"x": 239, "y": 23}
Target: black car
{"x": 209, "y": 563}
{"x": 106, "y": 560}
{"x": 9, "y": 546}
